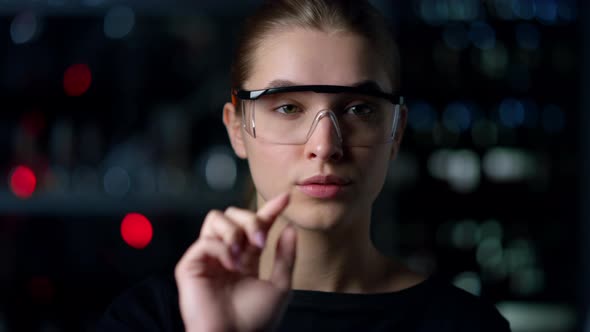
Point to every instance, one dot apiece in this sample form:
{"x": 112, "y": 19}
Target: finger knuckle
{"x": 212, "y": 214}
{"x": 231, "y": 210}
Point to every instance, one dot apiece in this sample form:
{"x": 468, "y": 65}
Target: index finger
{"x": 271, "y": 210}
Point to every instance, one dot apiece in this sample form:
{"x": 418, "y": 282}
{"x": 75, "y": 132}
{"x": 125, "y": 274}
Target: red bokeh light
{"x": 23, "y": 182}
{"x": 136, "y": 230}
{"x": 77, "y": 79}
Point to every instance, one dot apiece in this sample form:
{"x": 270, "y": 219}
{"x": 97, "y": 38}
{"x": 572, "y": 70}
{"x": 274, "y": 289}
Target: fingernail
{"x": 260, "y": 239}
{"x": 235, "y": 249}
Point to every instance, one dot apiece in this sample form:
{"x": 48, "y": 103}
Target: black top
{"x": 431, "y": 306}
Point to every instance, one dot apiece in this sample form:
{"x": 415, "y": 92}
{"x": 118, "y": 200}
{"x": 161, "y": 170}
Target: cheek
{"x": 270, "y": 167}
{"x": 373, "y": 168}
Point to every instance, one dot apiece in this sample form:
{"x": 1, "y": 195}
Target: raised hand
{"x": 217, "y": 277}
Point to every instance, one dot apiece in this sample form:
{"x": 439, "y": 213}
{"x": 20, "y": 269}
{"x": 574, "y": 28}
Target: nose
{"x": 324, "y": 141}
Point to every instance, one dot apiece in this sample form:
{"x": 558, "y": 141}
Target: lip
{"x": 323, "y": 186}
{"x": 325, "y": 180}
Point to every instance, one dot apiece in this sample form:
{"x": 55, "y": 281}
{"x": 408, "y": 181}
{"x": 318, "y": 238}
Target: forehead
{"x": 306, "y": 56}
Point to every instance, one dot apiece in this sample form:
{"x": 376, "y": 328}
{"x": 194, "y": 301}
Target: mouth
{"x": 323, "y": 186}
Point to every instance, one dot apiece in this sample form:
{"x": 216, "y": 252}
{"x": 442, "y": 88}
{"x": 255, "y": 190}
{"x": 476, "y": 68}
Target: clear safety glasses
{"x": 361, "y": 115}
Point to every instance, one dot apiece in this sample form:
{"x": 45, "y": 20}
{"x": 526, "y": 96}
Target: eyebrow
{"x": 279, "y": 83}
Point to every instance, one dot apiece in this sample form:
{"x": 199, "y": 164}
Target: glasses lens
{"x": 367, "y": 122}
{"x": 287, "y": 118}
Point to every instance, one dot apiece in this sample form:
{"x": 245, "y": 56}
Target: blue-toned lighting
{"x": 482, "y": 35}
{"x": 524, "y": 9}
{"x": 457, "y": 117}
{"x": 547, "y": 11}
{"x": 23, "y": 27}
{"x": 527, "y": 36}
{"x": 433, "y": 12}
{"x": 116, "y": 182}
{"x": 463, "y": 10}
{"x": 119, "y": 22}
{"x": 511, "y": 113}
{"x": 468, "y": 281}
{"x": 422, "y": 116}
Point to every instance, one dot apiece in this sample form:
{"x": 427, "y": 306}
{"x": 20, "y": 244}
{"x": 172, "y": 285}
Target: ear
{"x": 399, "y": 132}
{"x": 233, "y": 124}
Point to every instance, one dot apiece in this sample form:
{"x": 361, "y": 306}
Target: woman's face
{"x": 311, "y": 57}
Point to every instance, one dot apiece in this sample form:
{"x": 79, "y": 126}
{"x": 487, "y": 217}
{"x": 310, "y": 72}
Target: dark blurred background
{"x": 112, "y": 150}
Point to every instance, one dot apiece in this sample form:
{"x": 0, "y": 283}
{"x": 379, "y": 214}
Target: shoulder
{"x": 151, "y": 305}
{"x": 449, "y": 306}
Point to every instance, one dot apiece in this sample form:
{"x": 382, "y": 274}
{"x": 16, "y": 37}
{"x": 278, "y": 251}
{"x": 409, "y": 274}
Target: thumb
{"x": 282, "y": 271}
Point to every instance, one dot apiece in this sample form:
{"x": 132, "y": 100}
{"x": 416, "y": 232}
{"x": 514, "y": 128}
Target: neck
{"x": 342, "y": 260}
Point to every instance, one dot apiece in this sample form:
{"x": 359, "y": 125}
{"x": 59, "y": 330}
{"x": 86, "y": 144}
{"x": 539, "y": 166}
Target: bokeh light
{"x": 468, "y": 281}
{"x": 506, "y": 165}
{"x": 491, "y": 229}
{"x": 77, "y": 79}
{"x": 116, "y": 182}
{"x": 457, "y": 117}
{"x": 23, "y": 182}
{"x": 24, "y": 27}
{"x": 490, "y": 257}
{"x": 482, "y": 35}
{"x": 524, "y": 9}
{"x": 220, "y": 171}
{"x": 437, "y": 12}
{"x": 547, "y": 11}
{"x": 136, "y": 230}
{"x": 422, "y": 117}
{"x": 494, "y": 61}
{"x": 511, "y": 113}
{"x": 119, "y": 22}
{"x": 461, "y": 168}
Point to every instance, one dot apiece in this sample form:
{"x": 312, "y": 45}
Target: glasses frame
{"x": 363, "y": 90}
{"x": 368, "y": 90}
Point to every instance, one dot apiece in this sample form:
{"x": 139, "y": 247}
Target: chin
{"x": 319, "y": 216}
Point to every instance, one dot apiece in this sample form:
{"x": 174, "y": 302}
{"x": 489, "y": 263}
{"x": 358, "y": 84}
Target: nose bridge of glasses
{"x": 331, "y": 117}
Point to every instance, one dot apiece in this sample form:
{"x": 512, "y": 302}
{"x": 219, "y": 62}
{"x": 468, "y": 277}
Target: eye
{"x": 287, "y": 109}
{"x": 359, "y": 110}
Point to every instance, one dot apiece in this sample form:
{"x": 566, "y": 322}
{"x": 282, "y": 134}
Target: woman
{"x": 314, "y": 111}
